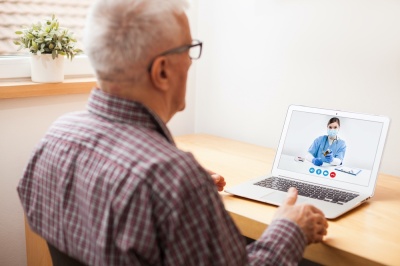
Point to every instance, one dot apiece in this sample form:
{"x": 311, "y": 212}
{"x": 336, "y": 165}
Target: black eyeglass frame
{"x": 179, "y": 50}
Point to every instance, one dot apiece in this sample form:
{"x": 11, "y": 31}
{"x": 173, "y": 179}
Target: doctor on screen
{"x": 328, "y": 148}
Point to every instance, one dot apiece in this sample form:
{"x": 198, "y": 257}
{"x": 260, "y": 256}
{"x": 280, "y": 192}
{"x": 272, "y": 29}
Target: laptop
{"x": 335, "y": 189}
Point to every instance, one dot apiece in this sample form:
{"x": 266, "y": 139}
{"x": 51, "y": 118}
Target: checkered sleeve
{"x": 283, "y": 243}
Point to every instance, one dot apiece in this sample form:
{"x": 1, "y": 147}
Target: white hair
{"x": 120, "y": 35}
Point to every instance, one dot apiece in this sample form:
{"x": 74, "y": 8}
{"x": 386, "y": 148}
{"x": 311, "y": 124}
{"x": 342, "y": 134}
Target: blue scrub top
{"x": 321, "y": 144}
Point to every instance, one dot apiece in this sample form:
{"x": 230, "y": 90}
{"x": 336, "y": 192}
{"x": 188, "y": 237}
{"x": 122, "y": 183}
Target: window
{"x": 15, "y": 14}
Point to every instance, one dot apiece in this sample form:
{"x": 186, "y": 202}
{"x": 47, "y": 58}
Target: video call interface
{"x": 355, "y": 146}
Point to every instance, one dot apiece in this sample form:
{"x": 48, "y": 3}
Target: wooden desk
{"x": 368, "y": 235}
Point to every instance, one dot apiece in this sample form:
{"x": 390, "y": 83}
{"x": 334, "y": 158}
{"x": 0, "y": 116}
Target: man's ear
{"x": 159, "y": 73}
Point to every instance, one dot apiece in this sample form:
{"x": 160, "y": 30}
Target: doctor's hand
{"x": 329, "y": 157}
{"x": 310, "y": 219}
{"x": 317, "y": 161}
{"x": 219, "y": 180}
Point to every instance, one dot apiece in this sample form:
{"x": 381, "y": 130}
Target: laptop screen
{"x": 340, "y": 150}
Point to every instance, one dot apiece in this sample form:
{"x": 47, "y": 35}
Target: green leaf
{"x": 47, "y": 37}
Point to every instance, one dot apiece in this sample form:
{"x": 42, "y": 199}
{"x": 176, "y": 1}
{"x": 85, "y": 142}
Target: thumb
{"x": 291, "y": 197}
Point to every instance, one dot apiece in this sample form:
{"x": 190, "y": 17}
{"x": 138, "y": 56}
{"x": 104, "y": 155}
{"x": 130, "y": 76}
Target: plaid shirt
{"x": 109, "y": 187}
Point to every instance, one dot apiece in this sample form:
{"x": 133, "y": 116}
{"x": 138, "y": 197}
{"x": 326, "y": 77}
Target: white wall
{"x": 23, "y": 123}
{"x": 261, "y": 56}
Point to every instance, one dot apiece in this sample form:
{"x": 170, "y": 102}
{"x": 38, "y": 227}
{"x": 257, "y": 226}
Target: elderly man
{"x": 109, "y": 187}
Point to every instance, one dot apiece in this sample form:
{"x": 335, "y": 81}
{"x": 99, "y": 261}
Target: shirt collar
{"x": 126, "y": 111}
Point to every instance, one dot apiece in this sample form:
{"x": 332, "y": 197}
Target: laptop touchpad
{"x": 279, "y": 197}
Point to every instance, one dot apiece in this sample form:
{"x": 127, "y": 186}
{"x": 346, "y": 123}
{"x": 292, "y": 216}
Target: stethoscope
{"x": 329, "y": 145}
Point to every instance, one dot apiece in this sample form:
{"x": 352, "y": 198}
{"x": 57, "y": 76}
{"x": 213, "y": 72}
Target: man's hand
{"x": 310, "y": 219}
{"x": 218, "y": 180}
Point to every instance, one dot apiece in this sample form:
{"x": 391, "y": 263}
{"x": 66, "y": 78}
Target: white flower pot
{"x": 45, "y": 69}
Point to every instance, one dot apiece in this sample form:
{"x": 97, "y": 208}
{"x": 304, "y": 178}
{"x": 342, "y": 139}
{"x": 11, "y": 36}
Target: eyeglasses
{"x": 194, "y": 51}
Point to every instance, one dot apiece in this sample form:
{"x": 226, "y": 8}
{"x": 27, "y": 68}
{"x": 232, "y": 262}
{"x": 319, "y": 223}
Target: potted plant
{"x": 49, "y": 44}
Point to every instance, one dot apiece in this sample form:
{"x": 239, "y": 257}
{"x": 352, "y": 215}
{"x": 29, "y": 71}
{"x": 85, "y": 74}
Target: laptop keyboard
{"x": 308, "y": 190}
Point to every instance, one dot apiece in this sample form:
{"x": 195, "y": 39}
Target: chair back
{"x": 61, "y": 259}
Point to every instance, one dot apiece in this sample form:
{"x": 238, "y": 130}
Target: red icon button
{"x": 332, "y": 174}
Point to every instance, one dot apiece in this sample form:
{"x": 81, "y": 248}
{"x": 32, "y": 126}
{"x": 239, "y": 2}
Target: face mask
{"x": 332, "y": 132}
